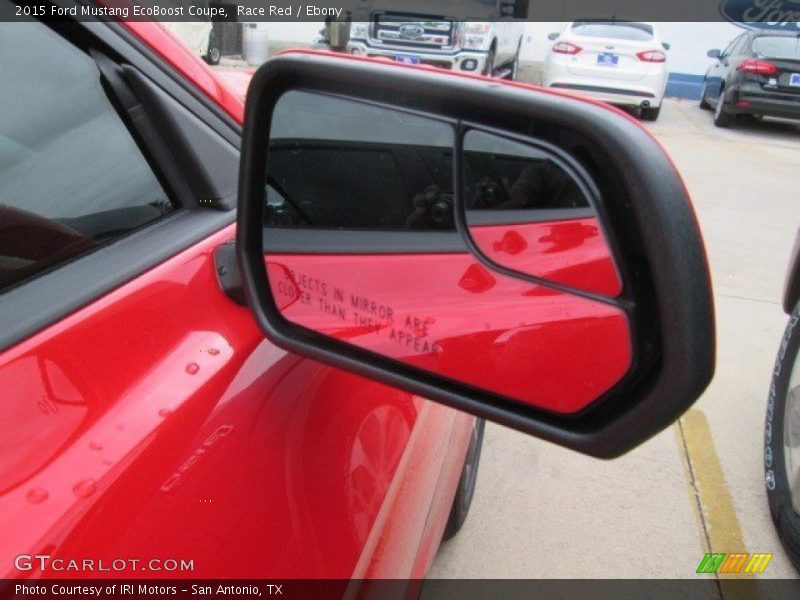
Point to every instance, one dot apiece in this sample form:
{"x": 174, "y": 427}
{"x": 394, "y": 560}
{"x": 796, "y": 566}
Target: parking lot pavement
{"x": 540, "y": 511}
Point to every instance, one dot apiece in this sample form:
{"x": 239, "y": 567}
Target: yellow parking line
{"x": 711, "y": 499}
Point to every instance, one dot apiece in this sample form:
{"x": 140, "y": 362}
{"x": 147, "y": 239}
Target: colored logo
{"x": 780, "y": 15}
{"x": 736, "y": 562}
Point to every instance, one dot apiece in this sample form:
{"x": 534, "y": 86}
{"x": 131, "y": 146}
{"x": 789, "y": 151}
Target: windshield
{"x": 637, "y": 32}
{"x": 778, "y": 47}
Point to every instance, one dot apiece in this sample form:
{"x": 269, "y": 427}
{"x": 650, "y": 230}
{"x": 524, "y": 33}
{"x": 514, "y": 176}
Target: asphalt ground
{"x": 543, "y": 512}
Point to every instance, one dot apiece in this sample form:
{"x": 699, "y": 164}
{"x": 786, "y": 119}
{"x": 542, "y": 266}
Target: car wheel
{"x": 214, "y": 54}
{"x": 651, "y": 114}
{"x": 703, "y": 99}
{"x": 721, "y": 118}
{"x": 515, "y": 65}
{"x": 466, "y": 484}
{"x": 782, "y": 441}
{"x": 488, "y": 70}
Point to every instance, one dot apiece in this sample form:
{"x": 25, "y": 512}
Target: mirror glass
{"x": 361, "y": 246}
{"x": 526, "y": 211}
{"x": 338, "y": 164}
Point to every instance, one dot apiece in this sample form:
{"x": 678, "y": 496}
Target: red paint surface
{"x": 448, "y": 314}
{"x": 573, "y": 253}
{"x": 157, "y": 423}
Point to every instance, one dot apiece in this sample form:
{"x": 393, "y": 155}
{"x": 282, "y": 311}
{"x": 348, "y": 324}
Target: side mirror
{"x": 715, "y": 53}
{"x": 666, "y": 46}
{"x": 553, "y": 36}
{"x": 529, "y": 257}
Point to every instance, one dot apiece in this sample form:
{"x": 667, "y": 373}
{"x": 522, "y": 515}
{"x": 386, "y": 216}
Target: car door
{"x": 150, "y": 428}
{"x": 719, "y": 72}
{"x": 736, "y": 54}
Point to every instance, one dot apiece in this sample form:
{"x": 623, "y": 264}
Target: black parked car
{"x": 758, "y": 74}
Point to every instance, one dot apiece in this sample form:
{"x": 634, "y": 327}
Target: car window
{"x": 773, "y": 46}
{"x": 740, "y": 46}
{"x": 71, "y": 176}
{"x": 635, "y": 32}
{"x": 732, "y": 46}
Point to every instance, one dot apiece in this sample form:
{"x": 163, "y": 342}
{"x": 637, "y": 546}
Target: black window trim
{"x": 46, "y": 299}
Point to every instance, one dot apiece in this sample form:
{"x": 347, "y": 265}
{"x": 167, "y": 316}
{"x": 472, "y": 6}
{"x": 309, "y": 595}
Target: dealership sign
{"x": 782, "y": 15}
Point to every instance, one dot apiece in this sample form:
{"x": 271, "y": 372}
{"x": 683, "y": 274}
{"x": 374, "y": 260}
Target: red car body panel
{"x": 157, "y": 422}
{"x": 448, "y": 314}
{"x": 570, "y": 252}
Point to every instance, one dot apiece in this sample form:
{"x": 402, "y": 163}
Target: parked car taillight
{"x": 655, "y": 56}
{"x": 566, "y": 48}
{"x": 759, "y": 67}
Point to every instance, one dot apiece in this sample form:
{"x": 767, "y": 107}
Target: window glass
{"x": 739, "y": 46}
{"x": 732, "y": 46}
{"x": 71, "y": 175}
{"x": 778, "y": 47}
{"x": 635, "y": 32}
{"x": 336, "y": 163}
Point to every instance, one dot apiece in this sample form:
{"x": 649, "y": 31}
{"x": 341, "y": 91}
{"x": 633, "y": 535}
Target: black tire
{"x": 721, "y": 118}
{"x": 488, "y": 69}
{"x": 214, "y": 54}
{"x": 776, "y": 431}
{"x": 466, "y": 484}
{"x": 651, "y": 114}
{"x": 703, "y": 100}
{"x": 512, "y": 76}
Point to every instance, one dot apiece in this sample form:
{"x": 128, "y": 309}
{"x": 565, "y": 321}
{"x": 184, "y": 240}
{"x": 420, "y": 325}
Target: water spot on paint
{"x": 85, "y": 488}
{"x": 192, "y": 368}
{"x": 37, "y": 496}
{"x": 213, "y": 351}
{"x": 95, "y": 446}
{"x": 164, "y": 412}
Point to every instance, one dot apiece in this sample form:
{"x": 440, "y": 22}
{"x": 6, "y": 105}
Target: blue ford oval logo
{"x": 411, "y": 31}
{"x": 781, "y": 15}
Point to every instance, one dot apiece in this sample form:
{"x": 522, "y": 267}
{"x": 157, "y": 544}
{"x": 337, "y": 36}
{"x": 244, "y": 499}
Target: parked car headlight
{"x": 358, "y": 30}
{"x": 475, "y": 35}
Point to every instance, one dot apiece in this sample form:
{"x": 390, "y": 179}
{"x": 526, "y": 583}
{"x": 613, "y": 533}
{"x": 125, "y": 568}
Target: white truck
{"x": 444, "y": 34}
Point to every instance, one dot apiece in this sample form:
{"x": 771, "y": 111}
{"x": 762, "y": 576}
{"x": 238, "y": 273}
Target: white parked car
{"x": 619, "y": 62}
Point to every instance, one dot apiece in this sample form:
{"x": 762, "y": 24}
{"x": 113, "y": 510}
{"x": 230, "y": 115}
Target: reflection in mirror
{"x": 339, "y": 164}
{"x": 450, "y": 315}
{"x": 526, "y": 212}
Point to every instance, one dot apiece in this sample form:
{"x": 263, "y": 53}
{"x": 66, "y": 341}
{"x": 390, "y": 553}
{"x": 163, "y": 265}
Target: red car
{"x": 419, "y": 249}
